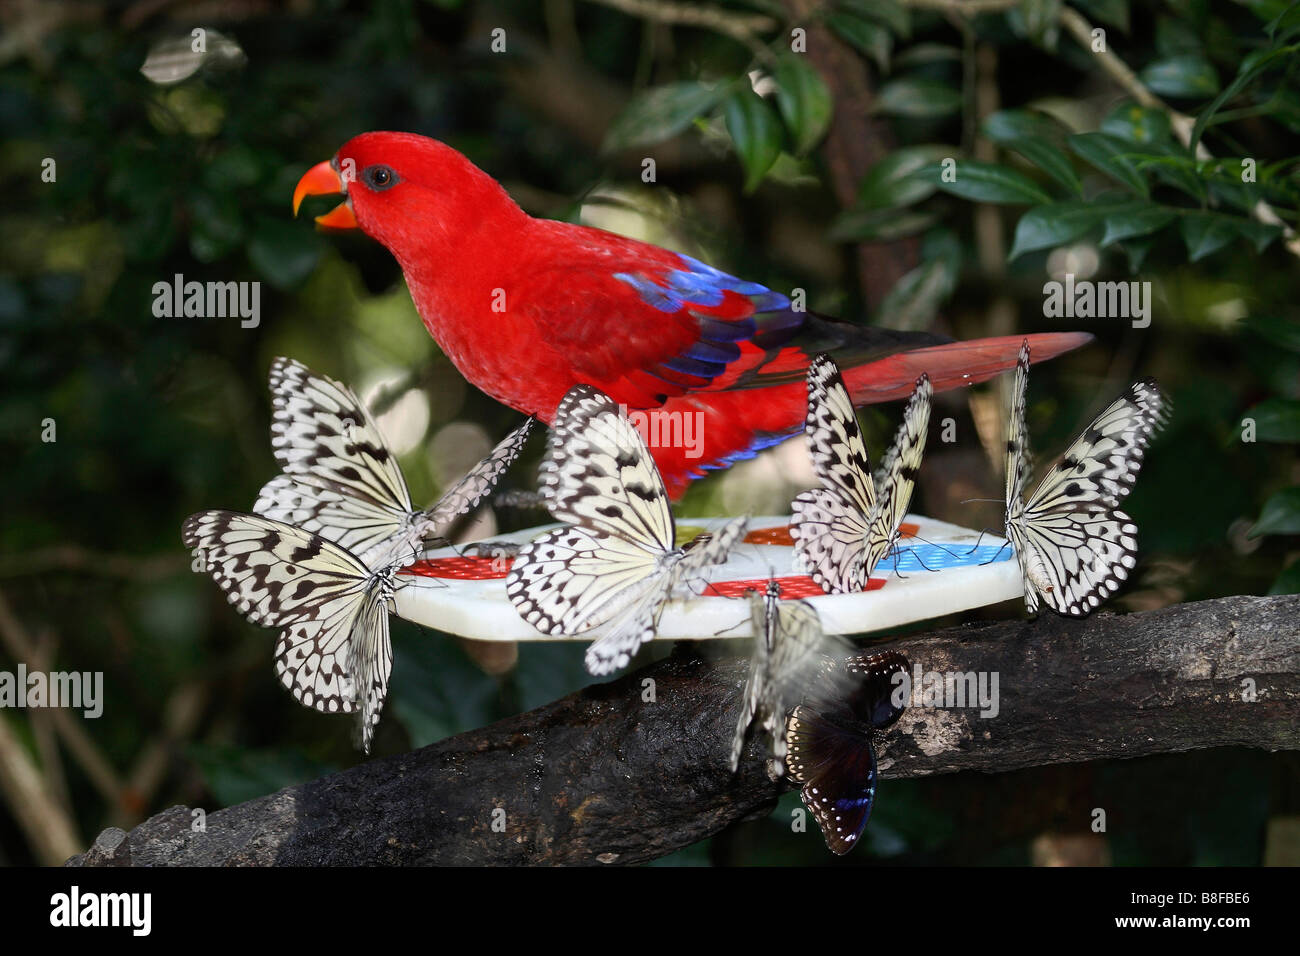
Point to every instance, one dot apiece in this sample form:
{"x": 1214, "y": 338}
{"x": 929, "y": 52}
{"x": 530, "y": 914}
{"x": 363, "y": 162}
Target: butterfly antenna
{"x": 1005, "y": 545}
{"x": 975, "y": 547}
{"x": 934, "y": 544}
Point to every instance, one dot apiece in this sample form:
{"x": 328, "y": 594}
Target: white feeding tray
{"x": 933, "y": 573}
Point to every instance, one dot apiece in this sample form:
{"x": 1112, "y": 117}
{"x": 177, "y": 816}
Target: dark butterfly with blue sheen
{"x": 829, "y": 741}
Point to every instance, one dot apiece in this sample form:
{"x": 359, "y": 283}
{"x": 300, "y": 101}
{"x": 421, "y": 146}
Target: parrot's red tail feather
{"x": 952, "y": 365}
{"x": 699, "y": 431}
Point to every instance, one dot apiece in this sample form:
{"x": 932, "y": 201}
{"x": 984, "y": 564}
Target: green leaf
{"x": 1187, "y": 75}
{"x": 1274, "y": 328}
{"x": 1107, "y": 154}
{"x": 1004, "y": 126}
{"x": 917, "y": 97}
{"x": 873, "y": 40}
{"x": 1205, "y": 234}
{"x": 1054, "y": 224}
{"x": 1050, "y": 160}
{"x": 889, "y": 12}
{"x": 1172, "y": 165}
{"x": 1136, "y": 219}
{"x": 1138, "y": 124}
{"x": 1251, "y": 67}
{"x": 1135, "y": 251}
{"x": 283, "y": 252}
{"x": 1281, "y": 514}
{"x": 1176, "y": 37}
{"x": 880, "y": 225}
{"x": 1276, "y": 419}
{"x": 916, "y": 298}
{"x": 986, "y": 182}
{"x": 1288, "y": 582}
{"x": 923, "y": 54}
{"x": 1039, "y": 20}
{"x": 1114, "y": 12}
{"x": 804, "y": 101}
{"x": 756, "y": 132}
{"x": 660, "y": 113}
{"x": 1285, "y": 25}
{"x": 890, "y": 182}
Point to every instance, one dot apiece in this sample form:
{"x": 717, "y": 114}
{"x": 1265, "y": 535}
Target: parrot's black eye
{"x": 379, "y": 177}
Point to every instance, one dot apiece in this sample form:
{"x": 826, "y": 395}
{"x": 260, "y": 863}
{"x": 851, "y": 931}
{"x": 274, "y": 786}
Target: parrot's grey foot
{"x": 498, "y": 550}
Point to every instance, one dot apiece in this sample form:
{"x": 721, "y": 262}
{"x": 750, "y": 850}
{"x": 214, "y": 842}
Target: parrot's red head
{"x": 406, "y": 191}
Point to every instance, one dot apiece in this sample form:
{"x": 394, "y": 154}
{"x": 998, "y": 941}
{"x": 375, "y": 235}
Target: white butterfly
{"x": 845, "y": 527}
{"x": 789, "y": 651}
{"x": 334, "y": 652}
{"x": 615, "y": 561}
{"x": 340, "y": 479}
{"x": 1073, "y": 543}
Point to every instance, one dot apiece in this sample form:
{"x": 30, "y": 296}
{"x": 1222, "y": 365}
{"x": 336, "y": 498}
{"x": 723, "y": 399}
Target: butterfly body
{"x": 1074, "y": 544}
{"x": 334, "y": 652}
{"x": 341, "y": 481}
{"x": 615, "y": 563}
{"x": 789, "y": 648}
{"x": 844, "y": 528}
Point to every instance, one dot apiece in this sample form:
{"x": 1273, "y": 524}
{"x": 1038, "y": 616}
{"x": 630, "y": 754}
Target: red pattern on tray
{"x": 780, "y": 534}
{"x": 461, "y": 569}
{"x": 792, "y": 588}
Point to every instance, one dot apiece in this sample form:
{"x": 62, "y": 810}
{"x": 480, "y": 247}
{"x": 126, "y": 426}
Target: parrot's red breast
{"x": 527, "y": 308}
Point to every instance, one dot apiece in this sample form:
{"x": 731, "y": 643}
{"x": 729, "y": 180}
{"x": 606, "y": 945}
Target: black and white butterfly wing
{"x": 1017, "y": 451}
{"x": 829, "y": 524}
{"x": 1077, "y": 559}
{"x": 319, "y": 594}
{"x": 898, "y": 476}
{"x": 1076, "y": 548}
{"x": 710, "y": 548}
{"x": 464, "y": 496}
{"x": 762, "y": 620}
{"x": 641, "y": 602}
{"x": 838, "y": 454}
{"x": 1102, "y": 464}
{"x": 353, "y": 523}
{"x": 340, "y": 478}
{"x": 598, "y": 473}
{"x": 789, "y": 651}
{"x": 829, "y": 539}
{"x": 573, "y": 579}
{"x": 370, "y": 661}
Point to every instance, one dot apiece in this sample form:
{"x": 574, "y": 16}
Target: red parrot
{"x": 527, "y": 308}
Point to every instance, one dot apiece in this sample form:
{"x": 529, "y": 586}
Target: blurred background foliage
{"x": 821, "y": 169}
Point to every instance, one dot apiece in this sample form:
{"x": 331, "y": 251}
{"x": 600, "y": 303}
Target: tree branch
{"x": 608, "y": 775}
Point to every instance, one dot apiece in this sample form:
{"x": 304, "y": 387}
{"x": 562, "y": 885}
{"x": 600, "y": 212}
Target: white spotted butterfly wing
{"x": 844, "y": 528}
{"x": 334, "y": 653}
{"x": 614, "y": 563}
{"x": 789, "y": 650}
{"x": 1075, "y": 546}
{"x": 341, "y": 480}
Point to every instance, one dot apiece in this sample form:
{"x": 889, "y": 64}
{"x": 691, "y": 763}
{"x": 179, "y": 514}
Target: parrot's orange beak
{"x": 323, "y": 180}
